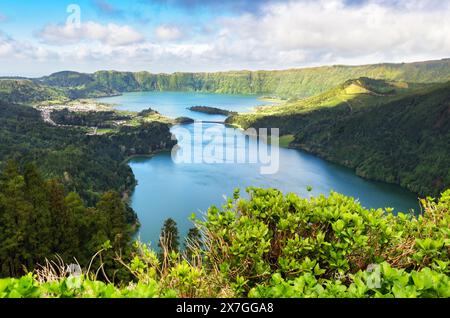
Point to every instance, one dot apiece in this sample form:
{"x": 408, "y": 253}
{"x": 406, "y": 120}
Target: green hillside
{"x": 87, "y": 164}
{"x": 285, "y": 83}
{"x": 66, "y": 79}
{"x": 27, "y": 91}
{"x": 389, "y": 131}
{"x": 294, "y": 83}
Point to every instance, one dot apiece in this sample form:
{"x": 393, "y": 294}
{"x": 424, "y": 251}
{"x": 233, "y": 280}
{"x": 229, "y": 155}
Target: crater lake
{"x": 167, "y": 189}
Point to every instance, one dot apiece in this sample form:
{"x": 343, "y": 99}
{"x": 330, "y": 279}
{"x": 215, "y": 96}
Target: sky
{"x": 164, "y": 36}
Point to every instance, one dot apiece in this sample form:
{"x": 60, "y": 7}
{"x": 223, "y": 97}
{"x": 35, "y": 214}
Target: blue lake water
{"x": 175, "y": 104}
{"x": 169, "y": 189}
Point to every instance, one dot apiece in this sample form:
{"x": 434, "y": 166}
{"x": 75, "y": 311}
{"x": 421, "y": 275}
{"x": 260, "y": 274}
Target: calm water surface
{"x": 175, "y": 104}
{"x": 166, "y": 189}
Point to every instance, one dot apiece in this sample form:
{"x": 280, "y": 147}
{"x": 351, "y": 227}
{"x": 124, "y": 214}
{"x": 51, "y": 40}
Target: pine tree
{"x": 80, "y": 215}
{"x": 64, "y": 225}
{"x": 15, "y": 213}
{"x": 113, "y": 209}
{"x": 169, "y": 234}
{"x": 37, "y": 221}
{"x": 39, "y": 233}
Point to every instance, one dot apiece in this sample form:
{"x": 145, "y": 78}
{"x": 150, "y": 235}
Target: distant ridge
{"x": 299, "y": 82}
{"x": 287, "y": 84}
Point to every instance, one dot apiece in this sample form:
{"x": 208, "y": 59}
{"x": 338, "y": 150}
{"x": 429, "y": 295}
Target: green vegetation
{"x": 103, "y": 120}
{"x": 288, "y": 83}
{"x": 193, "y": 245}
{"x": 170, "y": 240}
{"x": 27, "y": 91}
{"x": 184, "y": 120}
{"x": 390, "y": 124}
{"x": 39, "y": 219}
{"x": 272, "y": 245}
{"x": 148, "y": 112}
{"x": 87, "y": 164}
{"x": 80, "y": 201}
{"x": 77, "y": 85}
{"x": 388, "y": 131}
{"x": 211, "y": 110}
{"x": 286, "y": 140}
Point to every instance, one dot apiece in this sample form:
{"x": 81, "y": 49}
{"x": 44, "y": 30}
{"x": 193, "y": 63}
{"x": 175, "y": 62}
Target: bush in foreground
{"x": 271, "y": 245}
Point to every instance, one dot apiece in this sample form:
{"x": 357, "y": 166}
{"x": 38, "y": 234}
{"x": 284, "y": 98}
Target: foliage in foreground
{"x": 396, "y": 283}
{"x": 272, "y": 245}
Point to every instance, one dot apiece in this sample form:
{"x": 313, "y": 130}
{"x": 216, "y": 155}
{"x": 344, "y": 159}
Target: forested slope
{"x": 285, "y": 83}
{"x": 293, "y": 83}
{"x": 89, "y": 165}
{"x": 26, "y": 91}
{"x": 40, "y": 219}
{"x": 388, "y": 131}
{"x": 75, "y": 202}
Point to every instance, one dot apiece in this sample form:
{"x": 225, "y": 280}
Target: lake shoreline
{"x": 148, "y": 156}
{"x": 286, "y": 141}
{"x": 171, "y": 190}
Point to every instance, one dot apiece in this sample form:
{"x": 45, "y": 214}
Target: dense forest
{"x": 76, "y": 201}
{"x": 388, "y": 131}
{"x": 40, "y": 219}
{"x": 103, "y": 120}
{"x": 89, "y": 165}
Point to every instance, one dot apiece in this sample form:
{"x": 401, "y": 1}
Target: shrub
{"x": 327, "y": 238}
{"x": 271, "y": 245}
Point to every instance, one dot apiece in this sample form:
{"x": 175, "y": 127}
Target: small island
{"x": 211, "y": 110}
{"x": 184, "y": 120}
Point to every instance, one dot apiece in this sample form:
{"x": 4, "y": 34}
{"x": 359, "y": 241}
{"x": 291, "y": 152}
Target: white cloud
{"x": 13, "y": 49}
{"x": 168, "y": 33}
{"x": 110, "y": 34}
{"x": 328, "y": 31}
{"x": 282, "y": 35}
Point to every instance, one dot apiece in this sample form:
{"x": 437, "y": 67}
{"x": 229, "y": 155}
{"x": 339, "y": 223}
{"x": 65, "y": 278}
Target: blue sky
{"x": 37, "y": 38}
